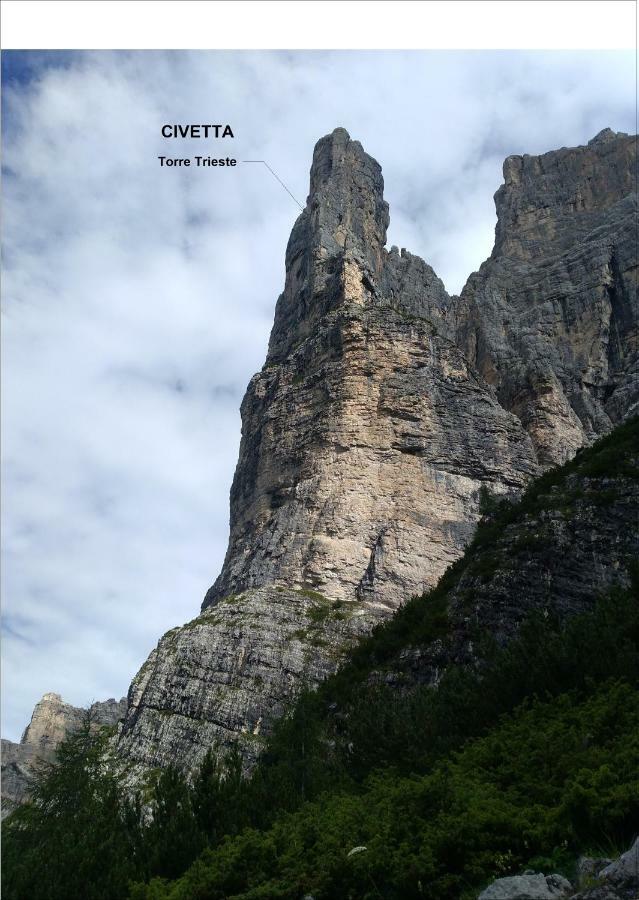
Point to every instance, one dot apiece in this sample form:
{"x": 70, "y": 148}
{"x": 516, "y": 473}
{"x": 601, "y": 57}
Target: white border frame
{"x": 319, "y": 24}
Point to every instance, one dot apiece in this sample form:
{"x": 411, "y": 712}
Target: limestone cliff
{"x": 384, "y": 410}
{"x": 52, "y": 720}
{"x": 570, "y": 540}
{"x": 550, "y": 319}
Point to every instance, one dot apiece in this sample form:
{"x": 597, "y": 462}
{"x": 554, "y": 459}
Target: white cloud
{"x": 138, "y": 300}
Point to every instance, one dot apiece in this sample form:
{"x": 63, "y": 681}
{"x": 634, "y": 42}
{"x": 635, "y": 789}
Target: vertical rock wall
{"x": 366, "y": 436}
{"x": 550, "y": 320}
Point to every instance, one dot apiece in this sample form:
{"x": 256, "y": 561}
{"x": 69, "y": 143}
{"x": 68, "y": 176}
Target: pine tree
{"x": 173, "y": 837}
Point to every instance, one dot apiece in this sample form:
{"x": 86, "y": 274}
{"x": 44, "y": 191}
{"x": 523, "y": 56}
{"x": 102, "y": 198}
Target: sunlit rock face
{"x": 382, "y": 410}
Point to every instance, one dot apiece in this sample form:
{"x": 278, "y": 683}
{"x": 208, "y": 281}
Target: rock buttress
{"x": 366, "y": 436}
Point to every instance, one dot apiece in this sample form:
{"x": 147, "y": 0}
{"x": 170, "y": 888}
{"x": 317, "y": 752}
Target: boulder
{"x": 529, "y": 886}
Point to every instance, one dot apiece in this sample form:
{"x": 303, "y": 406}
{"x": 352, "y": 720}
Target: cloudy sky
{"x": 138, "y": 300}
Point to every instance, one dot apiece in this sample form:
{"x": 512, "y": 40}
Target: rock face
{"x": 18, "y": 761}
{"x": 384, "y": 411}
{"x": 227, "y": 674}
{"x": 366, "y": 439}
{"x": 550, "y": 319}
{"x": 556, "y": 554}
{"x": 625, "y": 869}
{"x": 52, "y": 720}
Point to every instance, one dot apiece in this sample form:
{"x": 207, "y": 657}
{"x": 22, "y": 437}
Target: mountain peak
{"x": 573, "y": 185}
{"x": 329, "y": 152}
{"x": 345, "y": 218}
{"x": 346, "y": 200}
{"x": 606, "y": 135}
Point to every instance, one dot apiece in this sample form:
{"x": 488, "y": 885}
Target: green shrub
{"x": 554, "y": 773}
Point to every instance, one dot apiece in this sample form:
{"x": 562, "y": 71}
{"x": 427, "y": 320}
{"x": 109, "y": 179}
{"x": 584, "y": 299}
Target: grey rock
{"x": 625, "y": 869}
{"x": 556, "y": 561}
{"x": 618, "y": 880}
{"x": 18, "y": 764}
{"x": 366, "y": 439}
{"x": 604, "y": 892}
{"x": 589, "y": 867}
{"x": 529, "y": 886}
{"x": 366, "y": 436}
{"x": 52, "y": 719}
{"x": 223, "y": 678}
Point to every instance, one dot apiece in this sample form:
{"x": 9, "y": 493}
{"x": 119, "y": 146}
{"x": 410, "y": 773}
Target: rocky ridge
{"x": 383, "y": 412}
{"x": 52, "y": 720}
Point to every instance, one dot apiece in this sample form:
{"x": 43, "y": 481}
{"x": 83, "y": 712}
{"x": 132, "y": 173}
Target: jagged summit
{"x": 346, "y": 198}
{"x": 569, "y": 188}
{"x": 606, "y": 135}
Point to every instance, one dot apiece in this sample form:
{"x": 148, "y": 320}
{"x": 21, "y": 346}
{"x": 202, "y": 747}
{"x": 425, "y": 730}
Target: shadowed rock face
{"x": 550, "y": 320}
{"x": 383, "y": 408}
{"x": 52, "y": 720}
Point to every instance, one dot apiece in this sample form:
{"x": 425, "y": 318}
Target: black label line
{"x": 275, "y": 175}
